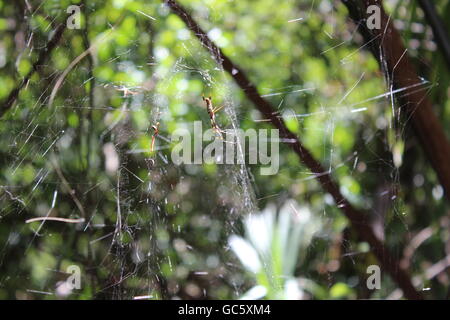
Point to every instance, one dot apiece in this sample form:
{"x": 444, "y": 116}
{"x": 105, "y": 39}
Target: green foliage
{"x": 160, "y": 230}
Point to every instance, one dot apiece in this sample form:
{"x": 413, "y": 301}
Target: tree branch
{"x": 358, "y": 220}
{"x": 387, "y": 47}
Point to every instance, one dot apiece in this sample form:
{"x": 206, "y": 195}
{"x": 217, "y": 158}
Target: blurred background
{"x": 76, "y": 145}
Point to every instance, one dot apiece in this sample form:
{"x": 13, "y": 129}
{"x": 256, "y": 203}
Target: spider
{"x": 212, "y": 115}
{"x": 127, "y": 91}
{"x": 155, "y": 128}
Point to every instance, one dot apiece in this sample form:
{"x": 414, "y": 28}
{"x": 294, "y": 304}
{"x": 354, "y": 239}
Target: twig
{"x": 68, "y": 188}
{"x": 390, "y": 53}
{"x": 439, "y": 29}
{"x": 437, "y": 268}
{"x": 72, "y": 65}
{"x": 358, "y": 219}
{"x": 430, "y": 273}
{"x": 92, "y": 82}
{"x": 55, "y": 219}
{"x": 415, "y": 242}
{"x": 44, "y": 55}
